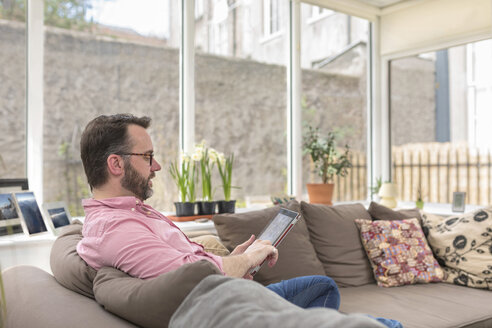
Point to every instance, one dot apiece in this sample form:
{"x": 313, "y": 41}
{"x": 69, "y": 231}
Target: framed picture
{"x": 31, "y": 218}
{"x": 459, "y": 201}
{"x": 57, "y": 215}
{"x": 10, "y": 221}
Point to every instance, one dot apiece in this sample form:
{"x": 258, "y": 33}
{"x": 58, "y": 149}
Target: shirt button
{"x": 133, "y": 209}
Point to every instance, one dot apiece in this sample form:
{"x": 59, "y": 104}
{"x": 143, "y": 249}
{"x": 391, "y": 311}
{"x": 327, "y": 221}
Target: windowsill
{"x": 271, "y": 37}
{"x": 433, "y": 208}
{"x": 439, "y": 208}
{"x": 312, "y": 20}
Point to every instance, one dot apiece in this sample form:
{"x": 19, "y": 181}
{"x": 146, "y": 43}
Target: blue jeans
{"x": 316, "y": 291}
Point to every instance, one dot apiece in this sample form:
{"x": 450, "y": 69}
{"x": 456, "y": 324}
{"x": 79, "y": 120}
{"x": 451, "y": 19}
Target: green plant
{"x": 375, "y": 189}
{"x": 184, "y": 178}
{"x": 224, "y": 164}
{"x": 328, "y": 161}
{"x": 207, "y": 158}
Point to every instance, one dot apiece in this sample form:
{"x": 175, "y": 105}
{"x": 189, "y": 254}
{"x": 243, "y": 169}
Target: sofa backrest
{"x": 67, "y": 266}
{"x": 297, "y": 256}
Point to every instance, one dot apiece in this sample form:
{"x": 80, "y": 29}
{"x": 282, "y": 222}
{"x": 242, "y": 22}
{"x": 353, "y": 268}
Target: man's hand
{"x": 260, "y": 251}
{"x": 240, "y": 249}
{"x": 238, "y": 265}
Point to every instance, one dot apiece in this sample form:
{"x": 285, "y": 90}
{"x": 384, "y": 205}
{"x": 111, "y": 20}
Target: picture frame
{"x": 10, "y": 217}
{"x": 32, "y": 219}
{"x": 57, "y": 215}
{"x": 459, "y": 201}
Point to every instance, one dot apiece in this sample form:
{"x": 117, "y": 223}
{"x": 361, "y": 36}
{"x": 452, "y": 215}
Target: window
{"x": 13, "y": 89}
{"x": 479, "y": 84}
{"x": 319, "y": 12}
{"x": 240, "y": 100}
{"x": 271, "y": 17}
{"x": 444, "y": 145}
{"x": 198, "y": 9}
{"x": 334, "y": 93}
{"x": 218, "y": 42}
{"x": 117, "y": 62}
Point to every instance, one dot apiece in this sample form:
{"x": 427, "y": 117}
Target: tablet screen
{"x": 276, "y": 228}
{"x": 279, "y": 226}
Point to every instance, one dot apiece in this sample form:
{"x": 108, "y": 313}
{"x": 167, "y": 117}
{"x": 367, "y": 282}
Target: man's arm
{"x": 259, "y": 251}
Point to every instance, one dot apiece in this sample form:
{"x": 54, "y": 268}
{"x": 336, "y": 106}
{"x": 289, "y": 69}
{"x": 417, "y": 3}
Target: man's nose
{"x": 155, "y": 166}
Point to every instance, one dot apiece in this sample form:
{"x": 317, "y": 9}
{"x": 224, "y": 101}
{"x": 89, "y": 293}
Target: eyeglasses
{"x": 147, "y": 156}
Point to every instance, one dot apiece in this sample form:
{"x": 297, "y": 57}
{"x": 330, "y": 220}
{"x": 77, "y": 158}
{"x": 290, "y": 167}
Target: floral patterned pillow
{"x": 463, "y": 246}
{"x": 398, "y": 252}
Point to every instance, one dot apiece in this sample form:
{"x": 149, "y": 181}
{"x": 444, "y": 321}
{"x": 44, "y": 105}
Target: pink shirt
{"x": 124, "y": 233}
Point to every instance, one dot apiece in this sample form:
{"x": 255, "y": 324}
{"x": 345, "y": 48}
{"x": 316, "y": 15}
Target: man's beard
{"x": 136, "y": 183}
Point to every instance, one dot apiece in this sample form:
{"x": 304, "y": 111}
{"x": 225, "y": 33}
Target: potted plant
{"x": 185, "y": 181}
{"x": 328, "y": 162}
{"x": 225, "y": 170}
{"x": 206, "y": 157}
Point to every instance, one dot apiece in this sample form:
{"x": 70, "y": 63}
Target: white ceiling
{"x": 381, "y": 3}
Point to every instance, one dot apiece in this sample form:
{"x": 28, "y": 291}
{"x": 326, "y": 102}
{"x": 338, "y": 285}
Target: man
{"x": 121, "y": 231}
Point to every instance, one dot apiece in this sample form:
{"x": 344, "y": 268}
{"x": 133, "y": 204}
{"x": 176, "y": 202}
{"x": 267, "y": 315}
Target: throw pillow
{"x": 152, "y": 302}
{"x": 463, "y": 243}
{"x": 337, "y": 243}
{"x": 380, "y": 212}
{"x": 296, "y": 253}
{"x": 211, "y": 244}
{"x": 67, "y": 266}
{"x": 398, "y": 252}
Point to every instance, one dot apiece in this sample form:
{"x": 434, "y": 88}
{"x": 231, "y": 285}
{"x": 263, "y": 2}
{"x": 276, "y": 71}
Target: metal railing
{"x": 437, "y": 169}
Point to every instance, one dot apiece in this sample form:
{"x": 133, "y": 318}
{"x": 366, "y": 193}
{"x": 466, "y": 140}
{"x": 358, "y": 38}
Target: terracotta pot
{"x": 320, "y": 193}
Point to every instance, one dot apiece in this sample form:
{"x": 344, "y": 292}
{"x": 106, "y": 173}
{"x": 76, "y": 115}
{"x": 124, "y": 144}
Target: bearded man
{"x": 121, "y": 231}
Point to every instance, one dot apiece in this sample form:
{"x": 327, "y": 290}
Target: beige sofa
{"x": 325, "y": 241}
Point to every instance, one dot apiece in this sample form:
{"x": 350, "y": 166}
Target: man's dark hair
{"x": 103, "y": 136}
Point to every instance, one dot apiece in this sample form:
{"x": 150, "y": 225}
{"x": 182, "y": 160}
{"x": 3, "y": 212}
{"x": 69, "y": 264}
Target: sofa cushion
{"x": 211, "y": 244}
{"x": 463, "y": 244}
{"x": 296, "y": 253}
{"x": 398, "y": 252}
{"x": 35, "y": 299}
{"x": 152, "y": 302}
{"x": 337, "y": 242}
{"x": 380, "y": 212}
{"x": 67, "y": 266}
{"x": 420, "y": 306}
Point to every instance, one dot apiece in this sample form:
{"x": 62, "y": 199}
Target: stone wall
{"x": 240, "y": 108}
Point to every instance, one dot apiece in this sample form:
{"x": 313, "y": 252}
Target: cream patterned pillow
{"x": 463, "y": 246}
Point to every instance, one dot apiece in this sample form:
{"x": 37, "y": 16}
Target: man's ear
{"x": 115, "y": 165}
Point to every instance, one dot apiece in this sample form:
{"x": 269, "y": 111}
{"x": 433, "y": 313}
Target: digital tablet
{"x": 276, "y": 230}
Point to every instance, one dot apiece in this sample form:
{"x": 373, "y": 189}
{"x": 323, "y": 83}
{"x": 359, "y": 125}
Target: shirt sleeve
{"x": 134, "y": 248}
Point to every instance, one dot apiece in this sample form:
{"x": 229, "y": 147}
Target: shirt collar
{"x": 123, "y": 202}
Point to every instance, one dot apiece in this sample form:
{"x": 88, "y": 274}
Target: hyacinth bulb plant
{"x": 224, "y": 165}
{"x": 185, "y": 178}
{"x": 206, "y": 157}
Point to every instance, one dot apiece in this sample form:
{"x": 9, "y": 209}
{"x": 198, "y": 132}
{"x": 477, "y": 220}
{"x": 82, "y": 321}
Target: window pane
{"x": 116, "y": 57}
{"x": 333, "y": 59}
{"x": 241, "y": 95}
{"x": 12, "y": 89}
{"x": 440, "y": 115}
